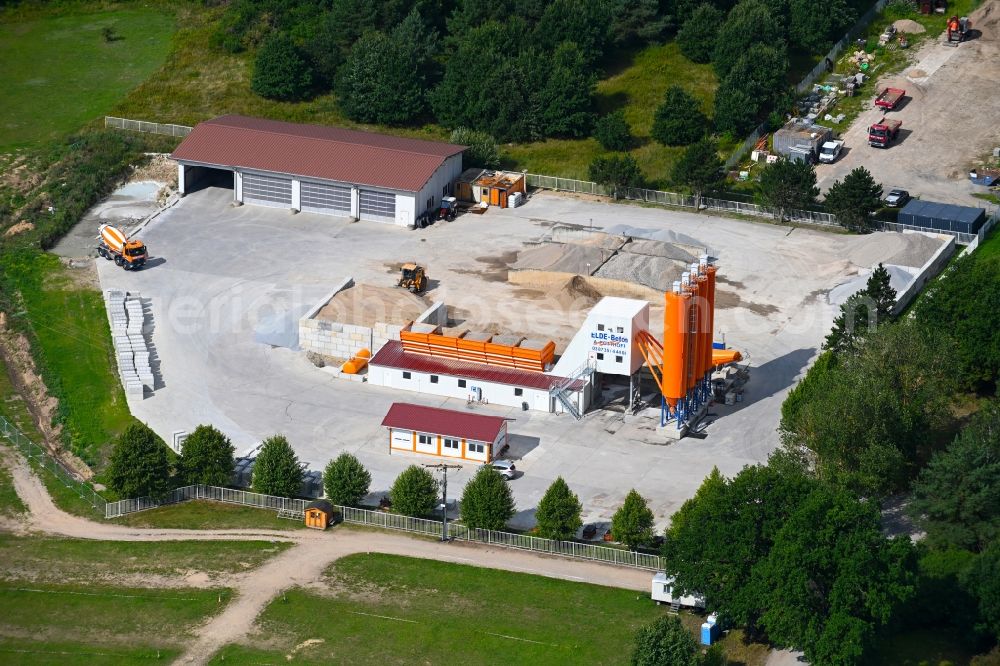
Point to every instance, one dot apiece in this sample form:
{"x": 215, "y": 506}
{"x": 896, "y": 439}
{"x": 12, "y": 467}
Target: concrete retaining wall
{"x": 342, "y": 340}
{"x": 928, "y": 271}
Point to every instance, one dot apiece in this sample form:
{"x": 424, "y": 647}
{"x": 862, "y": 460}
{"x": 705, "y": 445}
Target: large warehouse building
{"x": 319, "y": 169}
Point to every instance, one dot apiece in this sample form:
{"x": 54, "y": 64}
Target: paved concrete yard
{"x": 219, "y": 271}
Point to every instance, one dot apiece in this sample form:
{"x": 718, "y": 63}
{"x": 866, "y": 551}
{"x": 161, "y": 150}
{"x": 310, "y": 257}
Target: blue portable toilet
{"x": 710, "y": 630}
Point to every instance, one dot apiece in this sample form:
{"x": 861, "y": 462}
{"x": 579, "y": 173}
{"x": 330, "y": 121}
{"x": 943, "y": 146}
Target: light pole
{"x": 444, "y": 494}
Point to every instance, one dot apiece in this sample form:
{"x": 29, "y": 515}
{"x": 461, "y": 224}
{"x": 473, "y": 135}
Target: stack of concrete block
{"x": 334, "y": 339}
{"x": 127, "y": 320}
{"x": 382, "y": 333}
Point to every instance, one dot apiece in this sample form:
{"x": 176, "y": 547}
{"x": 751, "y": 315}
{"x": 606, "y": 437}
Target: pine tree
{"x": 879, "y": 289}
{"x": 346, "y": 480}
{"x": 487, "y": 502}
{"x": 699, "y": 168}
{"x": 280, "y": 71}
{"x": 558, "y": 514}
{"x": 139, "y": 466}
{"x": 276, "y": 470}
{"x": 632, "y": 524}
{"x": 855, "y": 199}
{"x": 678, "y": 120}
{"x": 206, "y": 457}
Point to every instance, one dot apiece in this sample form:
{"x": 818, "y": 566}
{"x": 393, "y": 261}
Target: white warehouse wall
{"x": 447, "y": 386}
{"x": 445, "y": 176}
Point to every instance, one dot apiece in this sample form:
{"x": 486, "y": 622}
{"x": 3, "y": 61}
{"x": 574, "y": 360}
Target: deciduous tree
{"x": 414, "y": 492}
{"x": 615, "y": 172}
{"x": 206, "y": 457}
{"x": 632, "y": 523}
{"x": 750, "y": 22}
{"x": 665, "y": 642}
{"x": 139, "y": 465}
{"x": 558, "y": 513}
{"x": 855, "y": 199}
{"x": 696, "y": 38}
{"x": 678, "y": 120}
{"x": 481, "y": 150}
{"x": 346, "y": 480}
{"x": 487, "y": 502}
{"x": 276, "y": 470}
{"x": 982, "y": 580}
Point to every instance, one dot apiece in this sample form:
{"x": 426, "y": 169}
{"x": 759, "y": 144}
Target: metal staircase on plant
{"x": 561, "y": 392}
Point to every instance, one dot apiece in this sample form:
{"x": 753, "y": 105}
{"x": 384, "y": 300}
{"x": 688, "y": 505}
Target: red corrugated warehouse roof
{"x": 315, "y": 151}
{"x": 392, "y": 356}
{"x": 447, "y": 422}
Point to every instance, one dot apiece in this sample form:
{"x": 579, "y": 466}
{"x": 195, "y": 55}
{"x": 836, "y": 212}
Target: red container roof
{"x": 445, "y": 422}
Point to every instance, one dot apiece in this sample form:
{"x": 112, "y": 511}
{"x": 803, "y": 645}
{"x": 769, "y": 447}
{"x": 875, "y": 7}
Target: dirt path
{"x": 301, "y": 564}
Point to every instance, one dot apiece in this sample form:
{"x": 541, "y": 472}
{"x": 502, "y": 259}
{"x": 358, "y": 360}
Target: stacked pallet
{"x": 127, "y": 320}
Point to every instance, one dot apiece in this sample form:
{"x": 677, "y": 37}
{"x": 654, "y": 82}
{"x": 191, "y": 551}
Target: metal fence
{"x": 37, "y": 454}
{"x": 834, "y": 52}
{"x": 147, "y": 127}
{"x": 680, "y": 200}
{"x": 960, "y": 238}
{"x": 392, "y": 521}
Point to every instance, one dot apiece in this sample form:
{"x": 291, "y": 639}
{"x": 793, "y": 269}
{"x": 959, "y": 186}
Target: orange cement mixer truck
{"x": 114, "y": 245}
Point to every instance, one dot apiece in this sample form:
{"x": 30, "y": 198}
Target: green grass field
{"x": 55, "y": 560}
{"x": 208, "y": 515}
{"x": 60, "y": 73}
{"x": 100, "y": 619}
{"x": 435, "y": 612}
{"x": 74, "y": 344}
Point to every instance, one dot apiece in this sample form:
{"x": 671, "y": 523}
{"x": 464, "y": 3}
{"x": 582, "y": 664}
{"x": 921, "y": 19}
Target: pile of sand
{"x": 577, "y": 294}
{"x": 986, "y": 19}
{"x": 562, "y": 258}
{"x": 909, "y": 26}
{"x": 657, "y": 273}
{"x": 365, "y": 305}
{"x": 655, "y": 248}
{"x": 887, "y": 247}
{"x": 899, "y": 277}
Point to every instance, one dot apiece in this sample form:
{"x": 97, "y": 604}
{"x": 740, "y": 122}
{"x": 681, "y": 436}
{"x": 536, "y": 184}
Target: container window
{"x": 600, "y": 356}
{"x": 621, "y": 329}
{"x": 461, "y": 383}
{"x": 476, "y": 447}
{"x": 406, "y": 375}
{"x": 434, "y": 379}
{"x": 600, "y": 327}
{"x": 618, "y": 359}
{"x": 452, "y": 444}
{"x": 518, "y": 391}
{"x": 425, "y": 439}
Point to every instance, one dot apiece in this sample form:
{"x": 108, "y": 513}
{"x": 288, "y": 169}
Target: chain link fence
{"x": 146, "y": 127}
{"x": 680, "y": 200}
{"x": 37, "y": 454}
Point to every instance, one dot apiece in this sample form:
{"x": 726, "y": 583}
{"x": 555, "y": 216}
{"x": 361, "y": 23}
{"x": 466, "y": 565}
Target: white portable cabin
{"x": 663, "y": 593}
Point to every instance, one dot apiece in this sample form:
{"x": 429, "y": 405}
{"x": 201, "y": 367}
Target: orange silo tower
{"x": 676, "y": 323}
{"x": 710, "y": 324}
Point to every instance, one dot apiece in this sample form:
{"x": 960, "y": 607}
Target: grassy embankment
{"x": 199, "y": 82}
{"x": 437, "y": 612}
{"x": 60, "y": 71}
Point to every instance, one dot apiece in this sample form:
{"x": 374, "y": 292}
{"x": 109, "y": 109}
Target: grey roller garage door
{"x": 267, "y": 190}
{"x": 377, "y": 206}
{"x": 323, "y": 198}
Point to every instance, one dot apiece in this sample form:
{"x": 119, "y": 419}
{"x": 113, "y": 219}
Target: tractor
{"x": 412, "y": 277}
